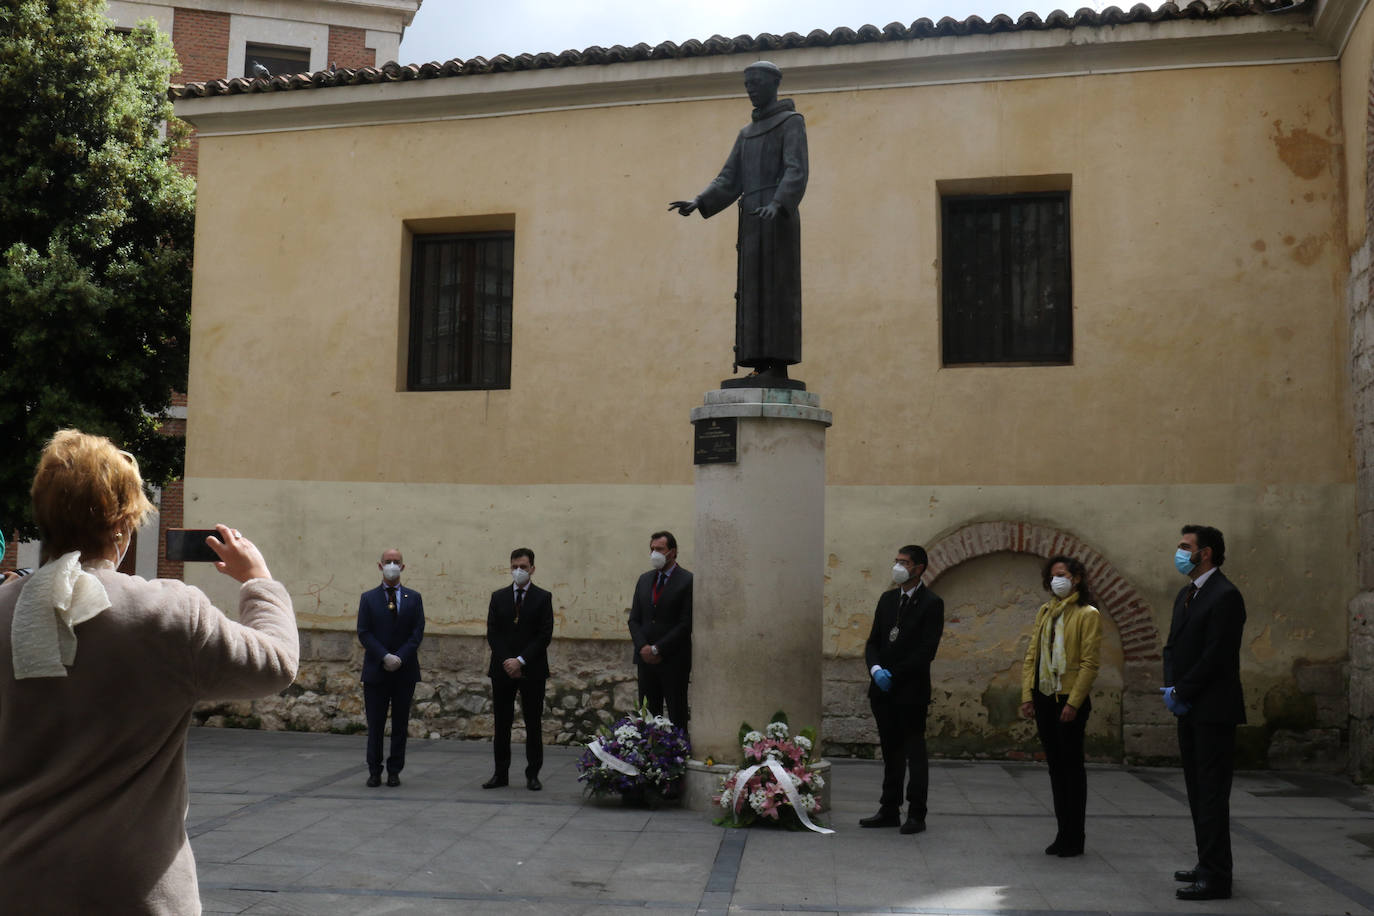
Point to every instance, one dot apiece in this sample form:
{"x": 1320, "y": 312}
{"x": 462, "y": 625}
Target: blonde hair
{"x": 84, "y": 490}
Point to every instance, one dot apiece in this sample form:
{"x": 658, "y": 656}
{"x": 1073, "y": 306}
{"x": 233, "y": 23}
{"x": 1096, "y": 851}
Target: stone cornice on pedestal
{"x": 781, "y": 403}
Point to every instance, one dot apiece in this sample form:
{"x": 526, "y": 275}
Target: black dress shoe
{"x": 1053, "y": 848}
{"x": 496, "y": 782}
{"x": 393, "y": 780}
{"x": 881, "y": 819}
{"x": 1069, "y": 850}
{"x": 1186, "y": 875}
{"x": 912, "y": 825}
{"x": 533, "y": 784}
{"x": 374, "y": 780}
{"x": 1205, "y": 890}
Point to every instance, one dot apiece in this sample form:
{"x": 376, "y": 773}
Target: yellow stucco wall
{"x": 1194, "y": 244}
{"x": 1208, "y": 384}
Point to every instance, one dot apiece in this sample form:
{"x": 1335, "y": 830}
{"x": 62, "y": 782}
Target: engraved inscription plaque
{"x": 714, "y": 441}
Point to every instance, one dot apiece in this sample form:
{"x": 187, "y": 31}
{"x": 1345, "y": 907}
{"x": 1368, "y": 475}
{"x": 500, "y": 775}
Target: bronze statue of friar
{"x": 766, "y": 172}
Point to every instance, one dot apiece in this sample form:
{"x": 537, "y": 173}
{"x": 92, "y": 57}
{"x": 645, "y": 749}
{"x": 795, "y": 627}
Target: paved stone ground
{"x": 281, "y": 823}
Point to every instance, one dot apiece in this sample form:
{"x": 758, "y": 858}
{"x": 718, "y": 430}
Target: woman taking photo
{"x": 1056, "y": 676}
{"x": 98, "y": 675}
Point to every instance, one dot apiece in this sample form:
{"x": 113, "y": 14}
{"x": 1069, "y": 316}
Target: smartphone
{"x": 187, "y": 545}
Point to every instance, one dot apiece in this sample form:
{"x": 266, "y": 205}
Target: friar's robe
{"x": 767, "y": 165}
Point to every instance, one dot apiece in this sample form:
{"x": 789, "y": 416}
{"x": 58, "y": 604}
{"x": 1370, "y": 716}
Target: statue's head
{"x": 761, "y": 80}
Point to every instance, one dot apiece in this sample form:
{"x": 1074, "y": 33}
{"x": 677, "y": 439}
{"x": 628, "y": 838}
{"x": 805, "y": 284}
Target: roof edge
{"x": 720, "y": 46}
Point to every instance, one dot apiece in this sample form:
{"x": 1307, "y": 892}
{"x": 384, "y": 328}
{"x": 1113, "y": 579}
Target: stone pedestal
{"x": 759, "y": 574}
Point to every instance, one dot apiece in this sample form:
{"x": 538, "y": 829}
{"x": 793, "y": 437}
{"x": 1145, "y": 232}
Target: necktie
{"x": 658, "y": 586}
{"x": 906, "y": 599}
{"x": 1188, "y": 599}
{"x": 519, "y": 600}
{"x": 391, "y": 600}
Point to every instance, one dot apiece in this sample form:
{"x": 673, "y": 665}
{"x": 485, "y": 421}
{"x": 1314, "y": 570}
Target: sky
{"x": 445, "y": 29}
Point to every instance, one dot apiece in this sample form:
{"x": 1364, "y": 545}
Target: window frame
{"x": 269, "y": 51}
{"x": 1009, "y": 350}
{"x": 465, "y": 311}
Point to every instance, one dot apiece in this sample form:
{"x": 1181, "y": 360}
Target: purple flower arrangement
{"x": 641, "y": 758}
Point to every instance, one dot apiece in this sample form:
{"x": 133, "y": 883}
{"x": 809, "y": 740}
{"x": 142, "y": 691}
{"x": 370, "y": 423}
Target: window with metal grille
{"x": 460, "y": 311}
{"x": 1007, "y": 286}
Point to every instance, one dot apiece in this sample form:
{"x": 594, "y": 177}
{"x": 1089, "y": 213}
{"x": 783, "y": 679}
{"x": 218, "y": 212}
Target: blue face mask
{"x": 1183, "y": 561}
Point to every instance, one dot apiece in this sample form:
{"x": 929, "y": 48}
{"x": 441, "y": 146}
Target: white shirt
{"x": 1197, "y": 583}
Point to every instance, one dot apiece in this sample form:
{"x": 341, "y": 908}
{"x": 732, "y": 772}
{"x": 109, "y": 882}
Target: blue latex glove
{"x": 883, "y": 678}
{"x": 1175, "y": 705}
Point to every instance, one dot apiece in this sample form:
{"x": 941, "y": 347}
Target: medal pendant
{"x": 391, "y": 606}
{"x": 893, "y": 633}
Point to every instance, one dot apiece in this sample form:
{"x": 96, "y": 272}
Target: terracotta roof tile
{"x": 718, "y": 45}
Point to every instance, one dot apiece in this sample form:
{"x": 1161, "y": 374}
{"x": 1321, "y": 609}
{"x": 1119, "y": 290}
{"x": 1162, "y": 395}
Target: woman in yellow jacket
{"x": 1056, "y": 676}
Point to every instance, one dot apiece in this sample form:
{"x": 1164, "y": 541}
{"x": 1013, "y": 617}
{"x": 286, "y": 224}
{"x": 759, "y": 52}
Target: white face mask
{"x": 657, "y": 560}
{"x": 521, "y": 576}
{"x": 900, "y": 574}
{"x": 391, "y": 571}
{"x": 1061, "y": 586}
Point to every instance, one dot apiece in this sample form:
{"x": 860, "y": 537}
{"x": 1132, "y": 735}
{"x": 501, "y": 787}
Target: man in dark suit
{"x": 661, "y": 627}
{"x": 907, "y": 626}
{"x": 519, "y": 630}
{"x": 1202, "y": 688}
{"x": 391, "y": 623}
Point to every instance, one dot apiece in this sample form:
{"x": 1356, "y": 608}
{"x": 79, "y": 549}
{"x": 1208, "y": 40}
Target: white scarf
{"x": 1053, "y": 659}
{"x": 55, "y": 599}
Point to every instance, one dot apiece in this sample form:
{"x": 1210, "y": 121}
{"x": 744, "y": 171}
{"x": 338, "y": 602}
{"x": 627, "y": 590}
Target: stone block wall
{"x": 1303, "y": 723}
{"x": 1360, "y": 300}
{"x": 593, "y": 685}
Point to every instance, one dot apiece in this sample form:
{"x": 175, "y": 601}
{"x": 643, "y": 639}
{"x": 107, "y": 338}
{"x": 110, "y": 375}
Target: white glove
{"x": 391, "y": 662}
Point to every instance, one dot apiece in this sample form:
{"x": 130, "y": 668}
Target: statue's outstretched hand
{"x": 684, "y": 207}
{"x": 769, "y": 211}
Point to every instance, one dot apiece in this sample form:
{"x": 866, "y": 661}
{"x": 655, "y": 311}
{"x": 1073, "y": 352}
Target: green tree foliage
{"x": 96, "y": 229}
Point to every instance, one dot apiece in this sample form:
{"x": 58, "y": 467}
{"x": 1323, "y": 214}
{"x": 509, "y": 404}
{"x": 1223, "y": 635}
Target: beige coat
{"x": 93, "y": 765}
{"x": 1082, "y": 641}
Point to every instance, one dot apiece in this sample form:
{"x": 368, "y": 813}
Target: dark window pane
{"x": 1006, "y": 279}
{"x": 276, "y": 60}
{"x": 460, "y": 311}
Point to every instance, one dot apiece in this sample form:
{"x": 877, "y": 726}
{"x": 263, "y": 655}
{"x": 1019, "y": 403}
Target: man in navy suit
{"x": 391, "y": 623}
{"x": 519, "y": 630}
{"x": 1202, "y": 688}
{"x": 661, "y": 627}
{"x": 907, "y": 625}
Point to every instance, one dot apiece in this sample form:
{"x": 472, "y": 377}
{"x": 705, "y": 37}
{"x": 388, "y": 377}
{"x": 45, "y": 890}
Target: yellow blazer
{"x": 1082, "y": 640}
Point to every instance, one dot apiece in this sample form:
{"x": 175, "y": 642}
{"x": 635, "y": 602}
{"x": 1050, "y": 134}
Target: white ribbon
{"x": 785, "y": 780}
{"x": 615, "y": 763}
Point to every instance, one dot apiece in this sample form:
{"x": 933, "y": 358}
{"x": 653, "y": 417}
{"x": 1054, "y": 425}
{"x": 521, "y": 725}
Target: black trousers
{"x": 902, "y": 736}
{"x": 377, "y": 699}
{"x": 660, "y": 685}
{"x": 1063, "y": 744}
{"x": 503, "y": 692}
{"x": 1208, "y": 750}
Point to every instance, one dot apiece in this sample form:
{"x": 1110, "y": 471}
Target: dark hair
{"x": 519, "y": 552}
{"x": 1076, "y": 568}
{"x": 672, "y": 541}
{"x": 1207, "y": 536}
{"x": 915, "y": 554}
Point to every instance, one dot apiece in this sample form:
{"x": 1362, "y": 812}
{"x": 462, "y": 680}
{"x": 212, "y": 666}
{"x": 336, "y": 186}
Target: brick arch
{"x": 1115, "y": 597}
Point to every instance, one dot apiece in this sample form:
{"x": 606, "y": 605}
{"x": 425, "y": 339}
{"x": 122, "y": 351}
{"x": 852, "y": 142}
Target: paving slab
{"x": 281, "y": 822}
